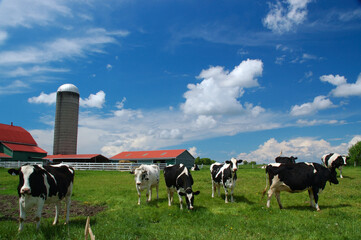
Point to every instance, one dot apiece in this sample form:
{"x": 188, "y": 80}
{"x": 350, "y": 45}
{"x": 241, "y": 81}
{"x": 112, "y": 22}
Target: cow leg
{"x": 315, "y": 195}
{"x": 22, "y": 214}
{"x": 226, "y": 195}
{"x": 340, "y": 172}
{"x": 38, "y": 212}
{"x": 57, "y": 209}
{"x": 278, "y": 197}
{"x": 219, "y": 189}
{"x": 270, "y": 193}
{"x": 138, "y": 195}
{"x": 149, "y": 194}
{"x": 180, "y": 201}
{"x": 67, "y": 206}
{"x": 232, "y": 189}
{"x": 170, "y": 197}
{"x": 312, "y": 199}
{"x": 214, "y": 188}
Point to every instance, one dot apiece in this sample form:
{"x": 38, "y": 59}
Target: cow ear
{"x": 239, "y": 161}
{"x": 196, "y": 193}
{"x": 13, "y": 171}
{"x": 181, "y": 194}
{"x": 131, "y": 172}
{"x": 228, "y": 162}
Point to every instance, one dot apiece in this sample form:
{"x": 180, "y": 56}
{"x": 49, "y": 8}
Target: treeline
{"x": 208, "y": 161}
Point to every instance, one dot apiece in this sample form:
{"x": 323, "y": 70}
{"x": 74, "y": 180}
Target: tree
{"x": 354, "y": 154}
{"x": 205, "y": 161}
{"x": 245, "y": 162}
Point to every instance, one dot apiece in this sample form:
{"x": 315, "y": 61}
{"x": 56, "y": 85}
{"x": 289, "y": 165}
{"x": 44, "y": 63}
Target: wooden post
{"x": 88, "y": 230}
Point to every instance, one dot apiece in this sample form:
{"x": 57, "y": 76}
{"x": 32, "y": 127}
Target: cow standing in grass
{"x": 297, "y": 178}
{"x": 334, "y": 160}
{"x": 178, "y": 178}
{"x": 224, "y": 174}
{"x": 43, "y": 184}
{"x": 147, "y": 177}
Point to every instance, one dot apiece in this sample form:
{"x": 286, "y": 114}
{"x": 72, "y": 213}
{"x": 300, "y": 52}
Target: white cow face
{"x": 189, "y": 196}
{"x": 141, "y": 175}
{"x": 234, "y": 164}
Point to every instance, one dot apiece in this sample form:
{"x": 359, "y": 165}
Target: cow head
{"x": 30, "y": 179}
{"x": 233, "y": 162}
{"x": 189, "y": 196}
{"x": 333, "y": 176}
{"x": 141, "y": 175}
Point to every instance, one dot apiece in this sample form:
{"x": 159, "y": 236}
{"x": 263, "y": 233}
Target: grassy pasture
{"x": 247, "y": 218}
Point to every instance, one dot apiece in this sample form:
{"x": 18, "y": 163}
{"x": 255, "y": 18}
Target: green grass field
{"x": 247, "y": 218}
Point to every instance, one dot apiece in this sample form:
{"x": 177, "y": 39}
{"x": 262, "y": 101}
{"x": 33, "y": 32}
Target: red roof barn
{"x": 158, "y": 156}
{"x": 17, "y": 144}
{"x": 95, "y": 158}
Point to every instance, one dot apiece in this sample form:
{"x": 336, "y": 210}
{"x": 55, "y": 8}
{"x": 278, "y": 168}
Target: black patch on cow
{"x": 285, "y": 159}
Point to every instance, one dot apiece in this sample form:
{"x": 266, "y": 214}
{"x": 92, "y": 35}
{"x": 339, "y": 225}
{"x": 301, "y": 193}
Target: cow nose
{"x": 138, "y": 183}
{"x": 25, "y": 191}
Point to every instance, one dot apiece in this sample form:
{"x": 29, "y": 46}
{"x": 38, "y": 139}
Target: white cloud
{"x": 21, "y": 72}
{"x": 319, "y": 103}
{"x": 348, "y": 89}
{"x": 59, "y": 49}
{"x": 306, "y": 149}
{"x": 94, "y": 100}
{"x": 3, "y": 36}
{"x": 109, "y": 67}
{"x": 44, "y": 98}
{"x": 193, "y": 151}
{"x": 27, "y": 13}
{"x": 285, "y": 15}
{"x": 14, "y": 87}
{"x": 220, "y": 89}
{"x": 334, "y": 80}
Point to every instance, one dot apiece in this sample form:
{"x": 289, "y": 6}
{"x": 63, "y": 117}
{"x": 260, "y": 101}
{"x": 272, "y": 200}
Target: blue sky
{"x": 223, "y": 79}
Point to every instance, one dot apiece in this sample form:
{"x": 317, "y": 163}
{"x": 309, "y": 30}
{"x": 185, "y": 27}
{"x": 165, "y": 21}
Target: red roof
{"x": 24, "y": 148}
{"x": 14, "y": 134}
{"x": 3, "y": 155}
{"x": 158, "y": 154}
{"x": 72, "y": 156}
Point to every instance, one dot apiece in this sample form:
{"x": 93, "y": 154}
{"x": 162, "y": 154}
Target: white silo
{"x": 66, "y": 120}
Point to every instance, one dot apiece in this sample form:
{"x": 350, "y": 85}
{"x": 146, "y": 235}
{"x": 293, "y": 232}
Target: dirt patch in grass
{"x": 9, "y": 209}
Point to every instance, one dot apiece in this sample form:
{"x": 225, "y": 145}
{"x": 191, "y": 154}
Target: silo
{"x": 66, "y": 120}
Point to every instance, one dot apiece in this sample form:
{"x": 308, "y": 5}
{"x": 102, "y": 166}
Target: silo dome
{"x": 68, "y": 88}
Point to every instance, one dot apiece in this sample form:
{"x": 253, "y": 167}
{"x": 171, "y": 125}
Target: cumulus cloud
{"x": 348, "y": 89}
{"x": 94, "y": 100}
{"x": 306, "y": 149}
{"x": 319, "y": 103}
{"x": 3, "y": 36}
{"x": 334, "y": 80}
{"x": 285, "y": 15}
{"x": 220, "y": 89}
{"x": 44, "y": 98}
{"x": 193, "y": 151}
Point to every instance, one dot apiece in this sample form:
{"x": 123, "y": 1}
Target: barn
{"x": 17, "y": 144}
{"x": 158, "y": 156}
{"x": 89, "y": 158}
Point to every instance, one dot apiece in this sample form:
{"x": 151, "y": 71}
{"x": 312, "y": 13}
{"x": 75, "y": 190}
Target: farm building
{"x": 158, "y": 156}
{"x": 17, "y": 144}
{"x": 93, "y": 158}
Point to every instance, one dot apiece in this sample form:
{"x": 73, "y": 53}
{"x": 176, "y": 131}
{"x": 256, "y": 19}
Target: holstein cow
{"x": 195, "y": 168}
{"x": 334, "y": 160}
{"x": 285, "y": 159}
{"x": 297, "y": 178}
{"x": 39, "y": 184}
{"x": 178, "y": 178}
{"x": 146, "y": 177}
{"x": 225, "y": 174}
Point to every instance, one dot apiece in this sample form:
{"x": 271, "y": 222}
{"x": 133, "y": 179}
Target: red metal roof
{"x": 3, "y": 155}
{"x": 24, "y": 148}
{"x": 72, "y": 156}
{"x": 14, "y": 134}
{"x": 158, "y": 154}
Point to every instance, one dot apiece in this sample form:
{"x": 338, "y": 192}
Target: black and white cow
{"x": 39, "y": 184}
{"x": 225, "y": 174}
{"x": 297, "y": 178}
{"x": 178, "y": 178}
{"x": 334, "y": 160}
{"x": 280, "y": 159}
{"x": 195, "y": 168}
{"x": 146, "y": 177}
